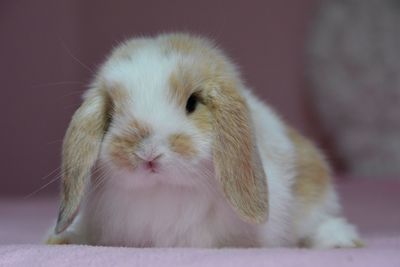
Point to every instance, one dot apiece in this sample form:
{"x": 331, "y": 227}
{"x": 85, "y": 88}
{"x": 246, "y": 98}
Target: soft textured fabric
{"x": 373, "y": 206}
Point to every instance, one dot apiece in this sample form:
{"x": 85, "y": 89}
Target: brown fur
{"x": 183, "y": 82}
{"x": 80, "y": 150}
{"x": 182, "y": 144}
{"x": 188, "y": 78}
{"x": 122, "y": 146}
{"x": 313, "y": 174}
{"x": 236, "y": 159}
{"x": 202, "y": 118}
{"x": 180, "y": 88}
{"x": 120, "y": 96}
{"x": 238, "y": 165}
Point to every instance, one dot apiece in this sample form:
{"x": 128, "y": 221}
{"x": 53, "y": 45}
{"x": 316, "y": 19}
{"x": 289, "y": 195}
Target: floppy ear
{"x": 80, "y": 151}
{"x": 236, "y": 159}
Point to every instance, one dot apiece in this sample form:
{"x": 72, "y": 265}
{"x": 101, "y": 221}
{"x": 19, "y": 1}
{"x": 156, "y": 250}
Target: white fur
{"x": 182, "y": 205}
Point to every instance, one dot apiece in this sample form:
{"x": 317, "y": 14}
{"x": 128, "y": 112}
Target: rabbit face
{"x": 160, "y": 130}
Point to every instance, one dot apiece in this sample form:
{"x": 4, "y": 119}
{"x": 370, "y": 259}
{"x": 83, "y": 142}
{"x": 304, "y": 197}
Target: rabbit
{"x": 171, "y": 149}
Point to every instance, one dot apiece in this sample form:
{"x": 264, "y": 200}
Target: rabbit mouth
{"x": 151, "y": 166}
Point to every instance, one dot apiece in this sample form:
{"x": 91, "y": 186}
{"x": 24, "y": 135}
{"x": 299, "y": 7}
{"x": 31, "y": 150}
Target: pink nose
{"x": 151, "y": 165}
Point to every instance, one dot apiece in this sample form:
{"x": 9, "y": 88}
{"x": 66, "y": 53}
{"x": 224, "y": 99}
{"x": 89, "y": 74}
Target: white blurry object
{"x": 355, "y": 70}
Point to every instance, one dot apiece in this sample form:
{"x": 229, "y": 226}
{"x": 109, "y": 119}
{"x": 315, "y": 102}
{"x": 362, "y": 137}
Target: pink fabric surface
{"x": 373, "y": 205}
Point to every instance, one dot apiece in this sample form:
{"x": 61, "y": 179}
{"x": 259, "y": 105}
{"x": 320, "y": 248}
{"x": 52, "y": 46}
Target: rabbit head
{"x": 166, "y": 110}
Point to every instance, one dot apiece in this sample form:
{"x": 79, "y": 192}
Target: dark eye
{"x": 191, "y": 104}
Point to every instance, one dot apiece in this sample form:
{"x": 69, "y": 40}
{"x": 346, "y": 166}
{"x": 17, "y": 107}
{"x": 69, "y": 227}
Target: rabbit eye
{"x": 191, "y": 104}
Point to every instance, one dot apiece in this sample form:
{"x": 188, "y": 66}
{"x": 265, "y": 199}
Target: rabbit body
{"x": 156, "y": 180}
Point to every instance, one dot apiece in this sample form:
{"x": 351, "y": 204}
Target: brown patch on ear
{"x": 80, "y": 151}
{"x": 182, "y": 144}
{"x": 313, "y": 173}
{"x": 236, "y": 158}
{"x": 122, "y": 146}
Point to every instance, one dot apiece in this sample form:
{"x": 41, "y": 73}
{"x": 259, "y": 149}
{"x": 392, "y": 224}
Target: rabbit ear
{"x": 236, "y": 159}
{"x": 80, "y": 151}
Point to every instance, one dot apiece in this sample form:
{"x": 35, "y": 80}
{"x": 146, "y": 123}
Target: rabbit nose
{"x": 150, "y": 162}
{"x": 151, "y": 166}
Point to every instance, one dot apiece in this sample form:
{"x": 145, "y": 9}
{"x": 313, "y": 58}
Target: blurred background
{"x": 330, "y": 68}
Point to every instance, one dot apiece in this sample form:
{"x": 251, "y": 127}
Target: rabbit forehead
{"x": 150, "y": 77}
{"x": 167, "y": 68}
{"x": 143, "y": 78}
{"x": 146, "y": 71}
{"x": 153, "y": 80}
{"x": 140, "y": 86}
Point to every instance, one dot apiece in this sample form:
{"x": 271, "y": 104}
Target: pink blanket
{"x": 373, "y": 205}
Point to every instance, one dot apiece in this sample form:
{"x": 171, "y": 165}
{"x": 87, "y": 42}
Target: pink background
{"x": 42, "y": 80}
